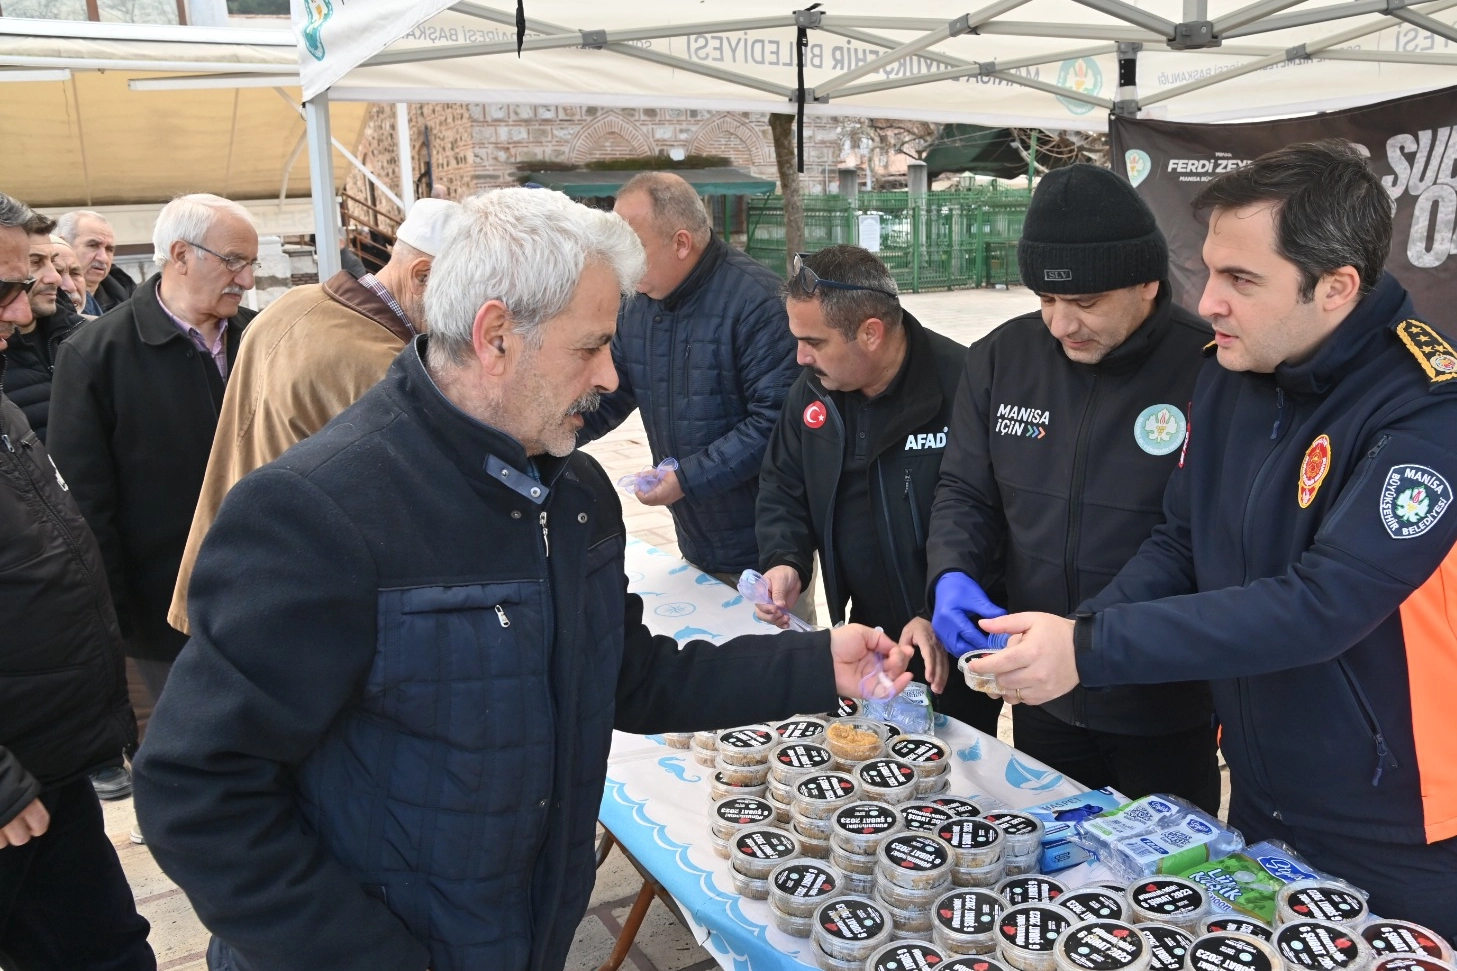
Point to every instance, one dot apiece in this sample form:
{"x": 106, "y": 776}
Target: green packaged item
{"x": 1249, "y": 882}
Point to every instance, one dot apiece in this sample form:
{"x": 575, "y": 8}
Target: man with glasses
{"x": 702, "y": 350}
{"x": 854, "y": 458}
{"x": 64, "y": 900}
{"x": 1066, "y": 428}
{"x": 135, "y": 404}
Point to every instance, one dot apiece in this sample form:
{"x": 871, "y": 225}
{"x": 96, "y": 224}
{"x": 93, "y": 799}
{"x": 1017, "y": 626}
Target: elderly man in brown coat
{"x": 307, "y": 357}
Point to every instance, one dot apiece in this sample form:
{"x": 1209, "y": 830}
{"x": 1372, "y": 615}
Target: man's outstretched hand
{"x": 855, "y": 648}
{"x": 1038, "y": 664}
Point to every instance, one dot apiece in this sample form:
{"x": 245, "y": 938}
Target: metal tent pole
{"x": 407, "y": 163}
{"x": 321, "y": 180}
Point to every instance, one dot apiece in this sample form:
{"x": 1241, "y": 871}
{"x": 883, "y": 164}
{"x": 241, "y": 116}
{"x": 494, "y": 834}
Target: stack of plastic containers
{"x": 754, "y": 854}
{"x": 913, "y": 871}
{"x": 976, "y": 847}
{"x": 1024, "y": 832}
{"x": 728, "y": 816}
{"x": 797, "y": 889}
{"x": 816, "y": 798}
{"x": 847, "y": 931}
{"x": 931, "y": 758}
{"x": 788, "y": 763}
{"x": 856, "y": 832}
{"x": 964, "y": 921}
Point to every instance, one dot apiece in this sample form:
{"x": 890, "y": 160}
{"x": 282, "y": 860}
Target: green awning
{"x": 708, "y": 182}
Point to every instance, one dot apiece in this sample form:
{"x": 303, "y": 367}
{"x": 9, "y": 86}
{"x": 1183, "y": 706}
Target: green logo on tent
{"x": 1138, "y": 164}
{"x": 319, "y": 11}
{"x": 1082, "y": 75}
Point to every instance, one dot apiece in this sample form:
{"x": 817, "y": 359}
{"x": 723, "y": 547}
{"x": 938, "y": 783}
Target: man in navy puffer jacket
{"x": 704, "y": 350}
{"x": 384, "y": 747}
{"x": 1306, "y": 565}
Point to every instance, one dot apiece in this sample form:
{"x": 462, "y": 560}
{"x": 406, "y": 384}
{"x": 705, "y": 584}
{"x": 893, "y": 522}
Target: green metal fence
{"x": 941, "y": 241}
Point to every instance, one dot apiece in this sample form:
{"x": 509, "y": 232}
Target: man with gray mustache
{"x": 134, "y": 406}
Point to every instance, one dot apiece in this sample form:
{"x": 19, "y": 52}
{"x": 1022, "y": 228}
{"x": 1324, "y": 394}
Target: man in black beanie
{"x": 1066, "y": 427}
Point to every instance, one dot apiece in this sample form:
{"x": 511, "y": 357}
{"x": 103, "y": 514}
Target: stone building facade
{"x": 481, "y": 146}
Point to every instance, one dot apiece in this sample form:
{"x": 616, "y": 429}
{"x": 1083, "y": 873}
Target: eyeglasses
{"x": 809, "y": 281}
{"x": 10, "y": 289}
{"x": 233, "y": 264}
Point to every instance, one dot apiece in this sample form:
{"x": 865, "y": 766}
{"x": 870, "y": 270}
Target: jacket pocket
{"x": 1384, "y": 757}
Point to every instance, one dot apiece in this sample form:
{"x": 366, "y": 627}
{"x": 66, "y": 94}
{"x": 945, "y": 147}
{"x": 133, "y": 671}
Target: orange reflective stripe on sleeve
{"x": 1429, "y": 627}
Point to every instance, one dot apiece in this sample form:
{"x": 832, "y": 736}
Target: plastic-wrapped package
{"x": 1249, "y": 882}
{"x": 647, "y": 480}
{"x": 910, "y": 710}
{"x": 755, "y": 589}
{"x": 1157, "y": 834}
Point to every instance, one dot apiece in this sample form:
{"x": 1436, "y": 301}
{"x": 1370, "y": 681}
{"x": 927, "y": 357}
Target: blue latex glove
{"x": 960, "y": 602}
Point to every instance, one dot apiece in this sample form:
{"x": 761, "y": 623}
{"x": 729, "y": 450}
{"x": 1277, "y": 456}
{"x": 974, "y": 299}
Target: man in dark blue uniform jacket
{"x": 1306, "y": 563}
{"x": 385, "y": 745}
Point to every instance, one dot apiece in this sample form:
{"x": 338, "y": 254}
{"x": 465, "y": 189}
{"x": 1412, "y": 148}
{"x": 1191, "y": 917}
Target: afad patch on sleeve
{"x": 1437, "y": 357}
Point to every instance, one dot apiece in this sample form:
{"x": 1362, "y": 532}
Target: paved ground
{"x": 662, "y": 945}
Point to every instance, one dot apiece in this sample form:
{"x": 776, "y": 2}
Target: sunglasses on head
{"x": 809, "y": 281}
{"x": 10, "y": 289}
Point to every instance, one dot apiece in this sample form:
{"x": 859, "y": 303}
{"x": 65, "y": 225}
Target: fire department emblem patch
{"x": 1313, "y": 468}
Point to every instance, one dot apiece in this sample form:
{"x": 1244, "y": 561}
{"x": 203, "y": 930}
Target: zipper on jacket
{"x": 1279, "y": 412}
{"x": 1384, "y": 758}
{"x": 1075, "y": 505}
{"x": 910, "y": 496}
{"x": 501, "y": 616}
{"x": 545, "y": 534}
{"x": 1348, "y": 494}
{"x": 894, "y": 565}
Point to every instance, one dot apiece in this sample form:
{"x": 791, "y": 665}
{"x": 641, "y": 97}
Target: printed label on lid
{"x": 1237, "y": 925}
{"x": 972, "y": 963}
{"x": 764, "y": 844}
{"x": 1014, "y": 824}
{"x": 925, "y": 817}
{"x": 800, "y": 728}
{"x": 968, "y": 834}
{"x": 1392, "y": 937}
{"x": 1306, "y": 944}
{"x": 746, "y": 738}
{"x": 1031, "y": 889}
{"x": 910, "y": 956}
{"x": 825, "y": 787}
{"x": 744, "y": 809}
{"x": 848, "y": 708}
{"x": 1091, "y": 904}
{"x": 916, "y": 852}
{"x": 1223, "y": 952}
{"x": 887, "y": 774}
{"x": 1166, "y": 946}
{"x": 1104, "y": 946}
{"x": 1033, "y": 928}
{"x": 1409, "y": 962}
{"x": 1325, "y": 903}
{"x": 1168, "y": 897}
{"x": 917, "y": 750}
{"x": 866, "y": 819}
{"x": 805, "y": 880}
{"x": 851, "y": 920}
{"x": 805, "y": 755}
{"x": 957, "y": 806}
{"x": 969, "y": 912}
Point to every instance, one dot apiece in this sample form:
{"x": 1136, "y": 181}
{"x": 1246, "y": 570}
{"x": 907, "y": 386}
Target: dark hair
{"x": 39, "y": 224}
{"x": 846, "y": 310}
{"x": 14, "y": 214}
{"x": 1330, "y": 209}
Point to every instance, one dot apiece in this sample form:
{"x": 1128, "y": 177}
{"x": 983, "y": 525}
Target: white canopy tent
{"x": 1047, "y": 63}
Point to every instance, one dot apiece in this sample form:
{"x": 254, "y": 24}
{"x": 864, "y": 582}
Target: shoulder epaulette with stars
{"x": 1437, "y": 357}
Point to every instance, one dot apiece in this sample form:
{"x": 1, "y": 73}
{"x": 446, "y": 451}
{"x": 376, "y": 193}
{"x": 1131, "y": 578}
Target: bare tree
{"x": 782, "y": 128}
{"x": 1058, "y": 148}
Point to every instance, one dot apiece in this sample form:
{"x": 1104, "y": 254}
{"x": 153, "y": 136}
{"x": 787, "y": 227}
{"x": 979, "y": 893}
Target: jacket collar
{"x": 1351, "y": 342}
{"x": 480, "y": 451}
{"x": 712, "y": 256}
{"x": 916, "y": 388}
{"x": 1143, "y": 341}
{"x": 156, "y": 328}
{"x": 344, "y": 288}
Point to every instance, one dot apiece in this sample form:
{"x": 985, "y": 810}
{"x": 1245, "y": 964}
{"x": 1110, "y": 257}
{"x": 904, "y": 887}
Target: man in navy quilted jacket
{"x": 705, "y": 351}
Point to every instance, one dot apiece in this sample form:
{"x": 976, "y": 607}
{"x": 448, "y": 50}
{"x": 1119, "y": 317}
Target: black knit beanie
{"x": 1087, "y": 231}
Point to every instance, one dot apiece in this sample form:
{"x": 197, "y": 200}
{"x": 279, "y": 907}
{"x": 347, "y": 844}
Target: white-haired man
{"x": 308, "y": 356}
{"x": 385, "y": 745}
{"x": 134, "y": 406}
{"x": 93, "y": 239}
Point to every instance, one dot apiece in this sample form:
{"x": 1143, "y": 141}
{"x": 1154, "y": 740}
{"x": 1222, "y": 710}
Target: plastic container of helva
{"x": 1027, "y": 935}
{"x": 1231, "y": 952}
{"x": 906, "y": 956}
{"x": 1331, "y": 900}
{"x": 1031, "y": 889}
{"x": 1388, "y": 937}
{"x": 851, "y": 928}
{"x": 747, "y": 746}
{"x": 915, "y": 861}
{"x": 1101, "y": 945}
{"x": 965, "y": 921}
{"x": 1167, "y": 946}
{"x": 1321, "y": 945}
{"x": 1094, "y": 903}
{"x": 974, "y": 842}
{"x": 819, "y": 796}
{"x": 791, "y": 761}
{"x": 1237, "y": 924}
{"x": 1168, "y": 900}
{"x": 885, "y": 780}
{"x": 757, "y": 850}
{"x": 800, "y": 887}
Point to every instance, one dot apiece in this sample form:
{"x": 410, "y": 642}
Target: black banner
{"x": 1412, "y": 144}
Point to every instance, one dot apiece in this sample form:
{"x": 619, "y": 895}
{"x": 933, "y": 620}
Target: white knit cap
{"x": 424, "y": 228}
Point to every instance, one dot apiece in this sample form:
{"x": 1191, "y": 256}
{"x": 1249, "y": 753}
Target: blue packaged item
{"x": 1060, "y": 818}
{"x": 1157, "y": 834}
{"x": 910, "y": 711}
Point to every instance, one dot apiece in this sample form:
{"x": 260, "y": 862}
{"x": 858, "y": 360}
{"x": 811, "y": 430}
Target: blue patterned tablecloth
{"x": 657, "y": 798}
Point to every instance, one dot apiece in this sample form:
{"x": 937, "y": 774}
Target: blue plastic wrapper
{"x": 648, "y": 479}
{"x": 1157, "y": 834}
{"x": 910, "y": 711}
